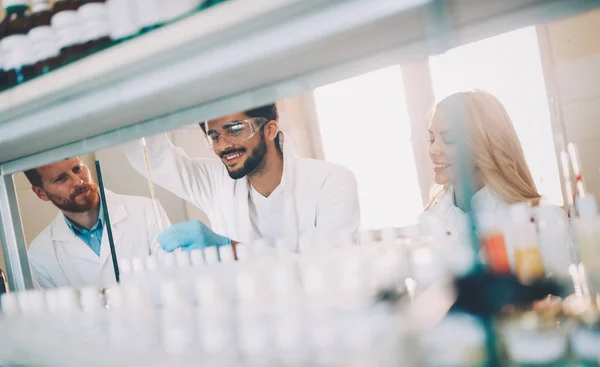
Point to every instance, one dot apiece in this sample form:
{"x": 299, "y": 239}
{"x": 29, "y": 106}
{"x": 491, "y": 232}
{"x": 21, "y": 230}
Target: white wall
{"x": 574, "y": 60}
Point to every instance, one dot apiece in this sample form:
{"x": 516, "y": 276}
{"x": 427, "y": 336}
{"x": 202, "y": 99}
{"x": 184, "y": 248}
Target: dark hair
{"x": 268, "y": 111}
{"x": 34, "y": 177}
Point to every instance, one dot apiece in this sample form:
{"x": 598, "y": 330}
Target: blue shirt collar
{"x": 77, "y": 230}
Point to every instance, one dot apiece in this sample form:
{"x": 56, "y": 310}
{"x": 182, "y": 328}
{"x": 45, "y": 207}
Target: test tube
{"x": 226, "y": 254}
{"x": 576, "y": 169}
{"x": 160, "y": 220}
{"x": 197, "y": 257}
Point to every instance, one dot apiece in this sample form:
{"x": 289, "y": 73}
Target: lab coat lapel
{"x": 288, "y": 182}
{"x": 72, "y": 245}
{"x": 117, "y": 213}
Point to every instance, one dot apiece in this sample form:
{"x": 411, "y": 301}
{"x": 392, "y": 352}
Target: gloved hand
{"x": 189, "y": 236}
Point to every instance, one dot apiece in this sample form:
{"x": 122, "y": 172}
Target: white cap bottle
{"x": 177, "y": 319}
{"x": 366, "y": 237}
{"x": 211, "y": 255}
{"x": 148, "y": 13}
{"x": 182, "y": 259}
{"x": 588, "y": 239}
{"x": 197, "y": 257}
{"x": 556, "y": 241}
{"x": 10, "y": 304}
{"x": 122, "y": 19}
{"x": 241, "y": 252}
{"x": 32, "y": 302}
{"x": 226, "y": 254}
{"x": 528, "y": 259}
{"x": 93, "y": 323}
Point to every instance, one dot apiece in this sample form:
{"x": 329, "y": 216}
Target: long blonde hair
{"x": 495, "y": 146}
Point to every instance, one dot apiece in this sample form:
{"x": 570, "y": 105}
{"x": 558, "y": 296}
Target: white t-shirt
{"x": 266, "y": 213}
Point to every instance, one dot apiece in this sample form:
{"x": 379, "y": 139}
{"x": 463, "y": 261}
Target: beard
{"x": 76, "y": 203}
{"x": 253, "y": 164}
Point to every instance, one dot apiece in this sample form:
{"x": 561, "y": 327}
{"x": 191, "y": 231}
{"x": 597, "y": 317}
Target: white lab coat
{"x": 454, "y": 221}
{"x": 59, "y": 258}
{"x": 320, "y": 197}
{"x": 455, "y": 224}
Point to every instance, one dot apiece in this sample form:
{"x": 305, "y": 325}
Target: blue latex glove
{"x": 190, "y": 236}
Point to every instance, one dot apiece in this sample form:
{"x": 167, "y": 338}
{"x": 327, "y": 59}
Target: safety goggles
{"x": 235, "y": 132}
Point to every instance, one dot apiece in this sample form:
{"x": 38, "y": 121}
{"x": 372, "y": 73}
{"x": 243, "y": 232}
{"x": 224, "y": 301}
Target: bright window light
{"x": 365, "y": 127}
{"x": 508, "y": 66}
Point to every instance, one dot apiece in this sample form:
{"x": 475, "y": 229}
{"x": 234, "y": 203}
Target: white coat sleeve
{"x": 192, "y": 179}
{"x": 338, "y": 209}
{"x": 154, "y": 229}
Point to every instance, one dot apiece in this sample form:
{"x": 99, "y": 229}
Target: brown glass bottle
{"x": 3, "y": 76}
{"x": 18, "y": 54}
{"x": 3, "y": 283}
{"x": 93, "y": 18}
{"x": 43, "y": 38}
{"x": 67, "y": 29}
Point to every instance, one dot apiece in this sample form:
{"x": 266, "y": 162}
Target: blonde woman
{"x": 499, "y": 170}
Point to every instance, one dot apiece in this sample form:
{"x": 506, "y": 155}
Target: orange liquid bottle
{"x": 493, "y": 245}
{"x": 529, "y": 265}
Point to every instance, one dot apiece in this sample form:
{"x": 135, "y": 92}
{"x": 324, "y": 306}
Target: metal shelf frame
{"x": 233, "y": 56}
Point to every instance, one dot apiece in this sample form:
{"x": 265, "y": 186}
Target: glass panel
{"x": 365, "y": 126}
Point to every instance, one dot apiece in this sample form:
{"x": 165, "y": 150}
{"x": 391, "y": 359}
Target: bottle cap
{"x": 124, "y": 266}
{"x": 520, "y": 212}
{"x": 197, "y": 257}
{"x": 226, "y": 254}
{"x": 412, "y": 232}
{"x": 52, "y": 300}
{"x": 8, "y": 3}
{"x": 151, "y": 263}
{"x": 23, "y": 299}
{"x": 389, "y": 236}
{"x": 345, "y": 239}
{"x": 182, "y": 258}
{"x": 168, "y": 260}
{"x": 114, "y": 298}
{"x": 211, "y": 255}
{"x": 548, "y": 214}
{"x": 137, "y": 265}
{"x": 67, "y": 299}
{"x": 64, "y": 19}
{"x": 36, "y": 300}
{"x": 587, "y": 206}
{"x": 10, "y": 304}
{"x": 91, "y": 299}
{"x": 39, "y": 5}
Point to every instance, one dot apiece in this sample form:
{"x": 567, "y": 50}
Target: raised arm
{"x": 192, "y": 179}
